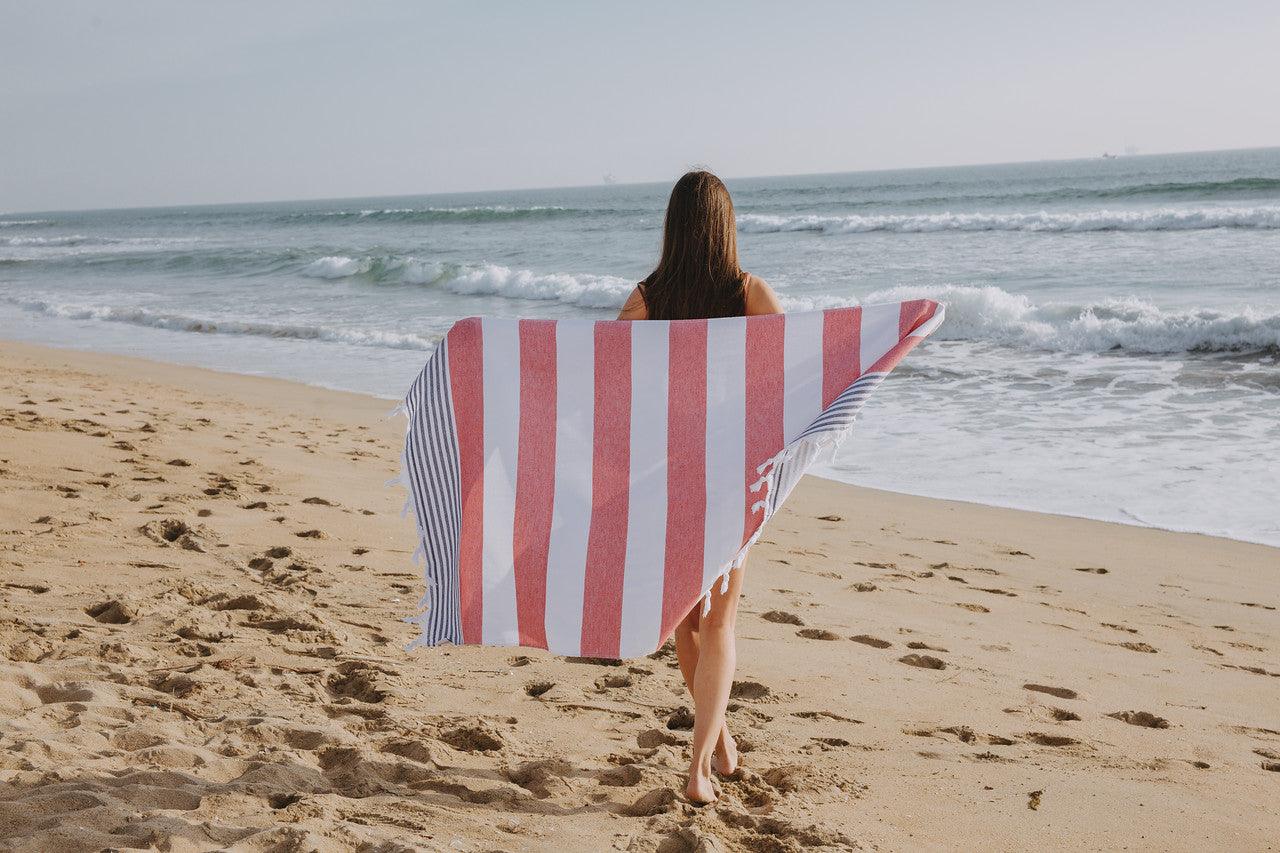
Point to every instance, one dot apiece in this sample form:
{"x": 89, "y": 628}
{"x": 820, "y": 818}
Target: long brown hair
{"x": 698, "y": 274}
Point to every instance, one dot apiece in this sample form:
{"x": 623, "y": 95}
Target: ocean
{"x": 1111, "y": 349}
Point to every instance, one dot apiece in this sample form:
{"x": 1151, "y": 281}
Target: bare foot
{"x": 725, "y": 759}
{"x": 700, "y": 791}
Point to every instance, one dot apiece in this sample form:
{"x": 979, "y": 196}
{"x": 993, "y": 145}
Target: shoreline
{"x": 143, "y": 362}
{"x": 203, "y": 580}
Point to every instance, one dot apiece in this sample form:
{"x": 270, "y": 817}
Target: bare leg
{"x": 717, "y": 658}
{"x": 725, "y": 758}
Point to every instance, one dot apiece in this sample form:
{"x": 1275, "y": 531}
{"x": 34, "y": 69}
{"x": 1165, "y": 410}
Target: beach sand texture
{"x": 202, "y": 578}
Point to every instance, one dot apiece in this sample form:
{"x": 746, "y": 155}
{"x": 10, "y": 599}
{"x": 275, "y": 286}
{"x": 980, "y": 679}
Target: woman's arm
{"x": 634, "y": 308}
{"x": 760, "y": 298}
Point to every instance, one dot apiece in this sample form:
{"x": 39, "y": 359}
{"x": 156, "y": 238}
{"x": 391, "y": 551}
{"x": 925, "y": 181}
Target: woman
{"x": 698, "y": 277}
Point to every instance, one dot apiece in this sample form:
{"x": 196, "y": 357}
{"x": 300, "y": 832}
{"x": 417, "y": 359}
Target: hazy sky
{"x": 107, "y": 104}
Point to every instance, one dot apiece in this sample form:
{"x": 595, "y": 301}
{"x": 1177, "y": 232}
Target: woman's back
{"x": 755, "y": 297}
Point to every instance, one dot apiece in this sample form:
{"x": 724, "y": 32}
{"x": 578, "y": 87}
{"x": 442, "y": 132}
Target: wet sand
{"x": 202, "y": 577}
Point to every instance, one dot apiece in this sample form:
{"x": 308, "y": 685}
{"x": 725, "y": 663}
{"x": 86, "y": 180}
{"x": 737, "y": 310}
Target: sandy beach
{"x": 202, "y": 580}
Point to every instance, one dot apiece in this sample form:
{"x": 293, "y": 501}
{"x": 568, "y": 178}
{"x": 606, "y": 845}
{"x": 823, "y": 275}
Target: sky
{"x": 133, "y": 103}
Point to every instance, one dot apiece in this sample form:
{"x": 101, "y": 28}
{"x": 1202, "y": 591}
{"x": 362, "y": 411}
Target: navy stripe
{"x": 840, "y": 415}
{"x": 431, "y": 457}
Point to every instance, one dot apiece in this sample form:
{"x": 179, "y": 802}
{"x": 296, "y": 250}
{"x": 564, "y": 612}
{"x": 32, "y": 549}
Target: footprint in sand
{"x": 1060, "y": 692}
{"x": 1139, "y": 647}
{"x": 781, "y": 617}
{"x": 1050, "y": 740}
{"x": 542, "y": 777}
{"x": 1063, "y": 716}
{"x": 1140, "y": 718}
{"x": 1094, "y": 570}
{"x": 626, "y": 776}
{"x": 311, "y": 534}
{"x": 752, "y": 691}
{"x": 655, "y": 802}
{"x": 473, "y": 737}
{"x": 874, "y": 642}
{"x": 681, "y": 719}
{"x": 923, "y": 661}
{"x": 362, "y": 682}
{"x": 112, "y": 612}
{"x": 173, "y": 531}
{"x": 916, "y": 644}
{"x": 976, "y": 608}
{"x": 817, "y": 634}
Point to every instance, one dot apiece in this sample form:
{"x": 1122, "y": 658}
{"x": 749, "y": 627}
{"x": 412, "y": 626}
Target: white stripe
{"x": 802, "y": 365}
{"x": 879, "y": 331}
{"x": 499, "y": 626}
{"x": 571, "y": 504}
{"x": 642, "y": 576}
{"x": 726, "y": 442}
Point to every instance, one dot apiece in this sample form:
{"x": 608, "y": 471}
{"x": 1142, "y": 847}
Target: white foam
{"x": 1148, "y": 219}
{"x": 994, "y": 315}
{"x": 65, "y": 240}
{"x": 585, "y": 290}
{"x": 205, "y": 325}
{"x": 336, "y": 266}
{"x": 10, "y": 223}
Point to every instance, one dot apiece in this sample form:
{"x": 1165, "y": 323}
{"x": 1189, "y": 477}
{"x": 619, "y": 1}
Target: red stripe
{"x": 610, "y": 485}
{"x": 911, "y": 316}
{"x": 686, "y": 470}
{"x": 535, "y": 477}
{"x": 765, "y": 374}
{"x": 914, "y": 313}
{"x": 841, "y": 337}
{"x": 466, "y": 372}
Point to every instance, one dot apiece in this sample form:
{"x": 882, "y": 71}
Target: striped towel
{"x": 578, "y": 485}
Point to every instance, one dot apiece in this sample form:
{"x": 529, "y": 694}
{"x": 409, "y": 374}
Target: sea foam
{"x": 1013, "y": 320}
{"x": 484, "y": 279}
{"x": 175, "y": 322}
{"x": 1150, "y": 219}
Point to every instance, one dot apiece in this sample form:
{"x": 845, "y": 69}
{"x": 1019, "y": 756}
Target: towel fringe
{"x": 821, "y": 443}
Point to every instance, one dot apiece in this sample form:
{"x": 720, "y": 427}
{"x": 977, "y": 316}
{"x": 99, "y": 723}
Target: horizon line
{"x": 545, "y": 188}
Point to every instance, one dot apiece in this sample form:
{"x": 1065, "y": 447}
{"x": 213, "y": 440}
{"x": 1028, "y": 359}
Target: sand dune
{"x": 201, "y": 582}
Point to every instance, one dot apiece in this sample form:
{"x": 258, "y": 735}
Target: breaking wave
{"x": 582, "y": 289}
{"x": 1132, "y": 325}
{"x": 204, "y": 325}
{"x": 475, "y": 213}
{"x": 1155, "y": 219}
{"x": 982, "y": 315}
